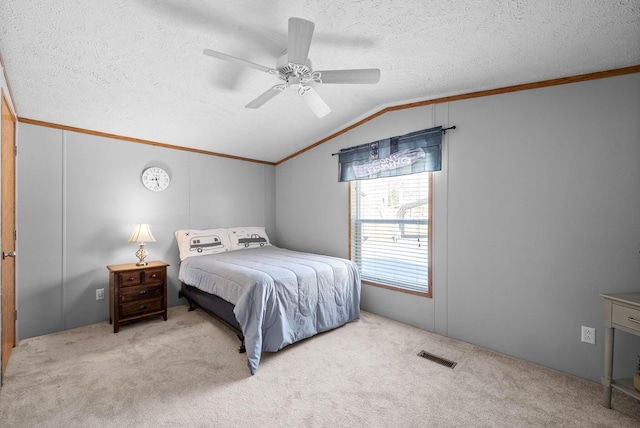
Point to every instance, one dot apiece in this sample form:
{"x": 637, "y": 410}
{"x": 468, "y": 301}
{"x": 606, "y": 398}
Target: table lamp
{"x": 142, "y": 234}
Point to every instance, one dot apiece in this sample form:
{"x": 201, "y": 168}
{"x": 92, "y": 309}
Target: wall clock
{"x": 155, "y": 179}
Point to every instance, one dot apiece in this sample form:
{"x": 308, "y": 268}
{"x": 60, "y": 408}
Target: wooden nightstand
{"x": 137, "y": 292}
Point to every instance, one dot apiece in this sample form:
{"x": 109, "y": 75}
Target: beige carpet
{"x": 187, "y": 372}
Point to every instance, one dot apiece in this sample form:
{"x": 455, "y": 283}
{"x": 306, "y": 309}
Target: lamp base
{"x": 141, "y": 254}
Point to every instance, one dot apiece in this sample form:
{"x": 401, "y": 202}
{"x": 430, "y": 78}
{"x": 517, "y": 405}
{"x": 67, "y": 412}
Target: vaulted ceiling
{"x": 136, "y": 68}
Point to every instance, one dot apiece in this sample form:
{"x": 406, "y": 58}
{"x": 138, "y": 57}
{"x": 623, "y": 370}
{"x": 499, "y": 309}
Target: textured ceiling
{"x": 135, "y": 67}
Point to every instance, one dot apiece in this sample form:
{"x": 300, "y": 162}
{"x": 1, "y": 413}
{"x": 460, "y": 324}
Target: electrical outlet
{"x": 100, "y": 294}
{"x": 588, "y": 335}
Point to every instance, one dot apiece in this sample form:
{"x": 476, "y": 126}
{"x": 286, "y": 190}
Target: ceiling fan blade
{"x": 315, "y": 103}
{"x": 238, "y": 61}
{"x": 300, "y": 33}
{"x": 266, "y": 96}
{"x": 356, "y": 76}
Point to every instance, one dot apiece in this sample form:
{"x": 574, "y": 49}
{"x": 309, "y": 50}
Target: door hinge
{"x": 15, "y": 235}
{"x": 16, "y": 150}
{"x": 15, "y": 315}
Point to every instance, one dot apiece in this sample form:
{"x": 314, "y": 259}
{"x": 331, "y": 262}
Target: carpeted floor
{"x": 187, "y": 372}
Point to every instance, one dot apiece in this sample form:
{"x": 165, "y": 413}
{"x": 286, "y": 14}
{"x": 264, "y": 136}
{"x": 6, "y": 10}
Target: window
{"x": 391, "y": 231}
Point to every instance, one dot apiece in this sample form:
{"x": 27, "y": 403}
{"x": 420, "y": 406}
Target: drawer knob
{"x": 633, "y": 320}
{"x": 154, "y": 275}
{"x": 143, "y": 306}
{"x": 143, "y": 291}
{"x": 131, "y": 278}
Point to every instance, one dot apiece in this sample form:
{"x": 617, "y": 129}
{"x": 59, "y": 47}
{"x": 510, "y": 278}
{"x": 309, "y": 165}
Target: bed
{"x": 270, "y": 296}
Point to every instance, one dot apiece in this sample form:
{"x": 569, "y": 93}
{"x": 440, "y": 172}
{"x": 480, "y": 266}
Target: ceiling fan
{"x": 293, "y": 67}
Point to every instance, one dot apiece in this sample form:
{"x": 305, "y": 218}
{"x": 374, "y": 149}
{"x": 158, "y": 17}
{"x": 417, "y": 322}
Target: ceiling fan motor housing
{"x": 285, "y": 69}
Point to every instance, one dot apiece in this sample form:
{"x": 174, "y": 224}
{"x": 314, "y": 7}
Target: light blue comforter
{"x": 280, "y": 296}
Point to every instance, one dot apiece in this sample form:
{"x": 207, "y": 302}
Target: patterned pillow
{"x": 200, "y": 242}
{"x": 247, "y": 237}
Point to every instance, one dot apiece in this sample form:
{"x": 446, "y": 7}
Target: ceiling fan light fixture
{"x": 313, "y": 100}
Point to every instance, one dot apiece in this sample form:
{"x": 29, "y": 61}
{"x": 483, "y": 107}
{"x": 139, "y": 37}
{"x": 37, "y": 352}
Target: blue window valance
{"x": 412, "y": 153}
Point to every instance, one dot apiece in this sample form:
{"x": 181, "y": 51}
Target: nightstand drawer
{"x": 139, "y": 292}
{"x": 141, "y": 307}
{"x": 130, "y": 278}
{"x": 154, "y": 275}
{"x": 626, "y": 316}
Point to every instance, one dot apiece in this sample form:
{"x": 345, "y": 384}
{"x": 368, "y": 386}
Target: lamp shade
{"x": 142, "y": 233}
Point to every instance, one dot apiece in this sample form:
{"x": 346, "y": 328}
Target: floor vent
{"x": 436, "y": 359}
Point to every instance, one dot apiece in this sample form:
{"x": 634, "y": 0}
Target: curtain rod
{"x": 444, "y": 131}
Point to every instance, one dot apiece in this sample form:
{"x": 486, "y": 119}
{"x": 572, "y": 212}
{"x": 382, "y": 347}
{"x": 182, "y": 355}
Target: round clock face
{"x": 155, "y": 179}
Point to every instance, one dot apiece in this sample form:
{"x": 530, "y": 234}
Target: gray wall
{"x": 79, "y": 197}
{"x": 537, "y": 211}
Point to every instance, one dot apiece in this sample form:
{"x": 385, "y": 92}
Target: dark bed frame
{"x": 214, "y": 306}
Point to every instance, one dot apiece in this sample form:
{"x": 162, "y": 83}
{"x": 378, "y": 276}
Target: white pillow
{"x": 247, "y": 237}
{"x": 194, "y": 242}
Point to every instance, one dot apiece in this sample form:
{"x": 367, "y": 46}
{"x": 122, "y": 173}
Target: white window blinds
{"x": 390, "y": 231}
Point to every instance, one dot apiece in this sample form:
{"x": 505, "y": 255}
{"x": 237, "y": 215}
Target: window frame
{"x": 429, "y": 292}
